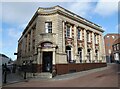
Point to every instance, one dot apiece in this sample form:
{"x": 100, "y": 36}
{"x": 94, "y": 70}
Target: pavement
{"x": 100, "y": 77}
{"x": 13, "y": 78}
{"x": 0, "y": 76}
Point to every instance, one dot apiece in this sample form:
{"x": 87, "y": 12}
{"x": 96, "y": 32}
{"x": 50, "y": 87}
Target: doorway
{"x": 47, "y": 62}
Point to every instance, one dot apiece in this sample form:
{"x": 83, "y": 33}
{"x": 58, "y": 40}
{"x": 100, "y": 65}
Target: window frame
{"x": 79, "y": 33}
{"x": 80, "y": 54}
{"x": 68, "y": 30}
{"x": 88, "y": 37}
{"x": 48, "y": 27}
{"x": 69, "y": 54}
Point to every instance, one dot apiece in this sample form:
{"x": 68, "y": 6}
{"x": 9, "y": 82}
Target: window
{"x": 68, "y": 51}
{"x": 113, "y": 37}
{"x": 89, "y": 55}
{"x": 96, "y": 54}
{"x": 88, "y": 37}
{"x": 118, "y": 46}
{"x": 68, "y": 31}
{"x": 48, "y": 27}
{"x": 95, "y": 39}
{"x": 80, "y": 54}
{"x": 115, "y": 47}
{"x": 108, "y": 44}
{"x": 107, "y": 36}
{"x": 109, "y": 51}
{"x": 79, "y": 35}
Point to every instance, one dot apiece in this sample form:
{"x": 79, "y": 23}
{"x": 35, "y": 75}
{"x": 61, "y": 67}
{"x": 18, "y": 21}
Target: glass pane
{"x": 48, "y": 27}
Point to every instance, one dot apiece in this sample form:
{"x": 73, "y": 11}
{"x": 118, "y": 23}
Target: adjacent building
{"x": 109, "y": 41}
{"x": 4, "y": 59}
{"x": 58, "y": 41}
{"x": 116, "y": 50}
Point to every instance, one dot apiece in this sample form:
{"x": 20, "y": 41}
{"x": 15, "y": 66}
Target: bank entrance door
{"x": 47, "y": 62}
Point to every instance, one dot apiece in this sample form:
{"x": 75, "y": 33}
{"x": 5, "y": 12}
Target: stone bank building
{"x": 57, "y": 41}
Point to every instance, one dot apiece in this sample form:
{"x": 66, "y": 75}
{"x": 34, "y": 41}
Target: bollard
{"x": 5, "y": 73}
{"x": 24, "y": 75}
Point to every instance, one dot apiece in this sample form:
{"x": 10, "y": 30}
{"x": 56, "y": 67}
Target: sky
{"x": 14, "y": 17}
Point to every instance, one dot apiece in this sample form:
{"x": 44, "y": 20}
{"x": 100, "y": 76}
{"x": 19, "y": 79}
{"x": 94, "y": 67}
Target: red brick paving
{"x": 105, "y": 78}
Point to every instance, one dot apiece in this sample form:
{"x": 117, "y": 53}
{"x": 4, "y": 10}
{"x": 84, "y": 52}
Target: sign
{"x": 46, "y": 45}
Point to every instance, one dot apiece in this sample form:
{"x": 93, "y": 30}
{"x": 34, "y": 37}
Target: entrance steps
{"x": 43, "y": 75}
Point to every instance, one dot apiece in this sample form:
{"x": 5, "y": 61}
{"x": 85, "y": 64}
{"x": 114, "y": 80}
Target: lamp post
{"x": 24, "y": 69}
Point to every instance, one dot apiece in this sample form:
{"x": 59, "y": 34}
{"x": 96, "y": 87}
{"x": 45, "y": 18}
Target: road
{"x": 104, "y": 78}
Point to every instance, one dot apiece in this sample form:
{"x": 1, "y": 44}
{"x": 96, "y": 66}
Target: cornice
{"x": 73, "y": 17}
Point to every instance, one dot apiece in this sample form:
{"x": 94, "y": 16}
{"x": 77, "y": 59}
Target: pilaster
{"x": 85, "y": 45}
{"x": 93, "y": 46}
{"x": 100, "y": 49}
{"x": 31, "y": 40}
{"x": 75, "y": 41}
{"x": 39, "y": 58}
{"x": 63, "y": 30}
{"x": 54, "y": 57}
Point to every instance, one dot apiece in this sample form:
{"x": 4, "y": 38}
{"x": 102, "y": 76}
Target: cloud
{"x": 21, "y": 12}
{"x": 106, "y": 8}
{"x": 18, "y": 12}
{"x": 0, "y": 30}
{"x": 81, "y": 8}
{"x": 15, "y": 33}
{"x": 1, "y": 45}
{"x": 118, "y": 28}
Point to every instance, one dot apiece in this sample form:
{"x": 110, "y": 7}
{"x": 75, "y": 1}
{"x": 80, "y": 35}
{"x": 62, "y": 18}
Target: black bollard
{"x": 24, "y": 74}
{"x": 5, "y": 73}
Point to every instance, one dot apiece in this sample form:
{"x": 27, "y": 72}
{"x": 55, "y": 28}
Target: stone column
{"x": 85, "y": 45}
{"x": 54, "y": 62}
{"x": 93, "y": 46}
{"x": 100, "y": 49}
{"x": 31, "y": 40}
{"x": 27, "y": 42}
{"x": 75, "y": 43}
{"x": 72, "y": 56}
{"x": 103, "y": 49}
{"x": 39, "y": 56}
{"x": 63, "y": 38}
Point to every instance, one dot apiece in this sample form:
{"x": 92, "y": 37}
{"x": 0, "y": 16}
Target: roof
{"x": 111, "y": 34}
{"x": 117, "y": 41}
{"x": 63, "y": 10}
{"x": 3, "y": 55}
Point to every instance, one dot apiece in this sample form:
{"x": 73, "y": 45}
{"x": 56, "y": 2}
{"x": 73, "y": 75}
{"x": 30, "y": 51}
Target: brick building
{"x": 116, "y": 50}
{"x": 109, "y": 41}
{"x": 58, "y": 41}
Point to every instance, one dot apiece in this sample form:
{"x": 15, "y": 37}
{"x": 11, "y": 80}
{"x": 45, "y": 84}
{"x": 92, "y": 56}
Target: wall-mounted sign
{"x": 46, "y": 45}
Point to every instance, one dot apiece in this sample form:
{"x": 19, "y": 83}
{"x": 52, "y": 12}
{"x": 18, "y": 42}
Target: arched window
{"x": 96, "y": 54}
{"x": 80, "y": 54}
{"x": 68, "y": 51}
{"x": 89, "y": 55}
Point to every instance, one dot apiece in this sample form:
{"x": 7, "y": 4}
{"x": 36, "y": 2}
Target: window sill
{"x": 88, "y": 42}
{"x": 68, "y": 37}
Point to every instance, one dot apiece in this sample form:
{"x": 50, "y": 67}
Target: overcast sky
{"x": 16, "y": 15}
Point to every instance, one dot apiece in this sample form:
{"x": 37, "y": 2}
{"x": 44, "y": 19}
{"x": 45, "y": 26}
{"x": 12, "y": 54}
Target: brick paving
{"x": 106, "y": 77}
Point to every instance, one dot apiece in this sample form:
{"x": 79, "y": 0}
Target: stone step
{"x": 44, "y": 75}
